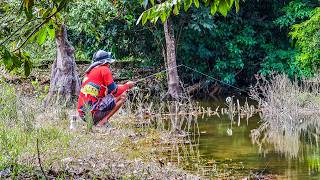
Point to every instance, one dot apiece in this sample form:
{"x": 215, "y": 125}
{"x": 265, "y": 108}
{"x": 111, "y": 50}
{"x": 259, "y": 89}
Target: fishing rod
{"x": 190, "y": 68}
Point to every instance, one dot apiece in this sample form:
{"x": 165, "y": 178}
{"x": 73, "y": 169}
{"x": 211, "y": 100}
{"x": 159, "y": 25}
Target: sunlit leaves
{"x": 223, "y": 7}
{"x": 196, "y": 3}
{"x": 187, "y": 4}
{"x": 294, "y": 12}
{"x": 165, "y": 8}
{"x": 36, "y": 22}
{"x": 51, "y": 30}
{"x": 214, "y": 7}
{"x": 42, "y": 35}
{"x": 307, "y": 36}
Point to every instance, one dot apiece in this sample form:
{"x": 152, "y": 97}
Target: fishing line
{"x": 142, "y": 79}
{"x": 213, "y": 78}
{"x": 208, "y": 76}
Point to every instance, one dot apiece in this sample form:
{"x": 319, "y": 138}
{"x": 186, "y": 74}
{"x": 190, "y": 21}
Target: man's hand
{"x": 130, "y": 84}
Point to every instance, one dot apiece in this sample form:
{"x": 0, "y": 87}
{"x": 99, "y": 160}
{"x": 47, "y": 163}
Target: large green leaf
{"x": 187, "y": 4}
{"x": 6, "y": 57}
{"x": 42, "y": 35}
{"x": 223, "y": 7}
{"x": 163, "y": 17}
{"x": 176, "y": 10}
{"x": 145, "y": 17}
{"x": 196, "y": 3}
{"x": 214, "y": 7}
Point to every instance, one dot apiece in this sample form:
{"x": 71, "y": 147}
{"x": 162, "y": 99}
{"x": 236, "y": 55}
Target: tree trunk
{"x": 174, "y": 89}
{"x": 64, "y": 81}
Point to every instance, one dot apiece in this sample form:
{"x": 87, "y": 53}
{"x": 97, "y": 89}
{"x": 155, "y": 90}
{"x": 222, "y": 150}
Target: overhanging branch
{"x": 39, "y": 26}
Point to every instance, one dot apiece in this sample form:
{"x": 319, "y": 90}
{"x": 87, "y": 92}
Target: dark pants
{"x": 102, "y": 108}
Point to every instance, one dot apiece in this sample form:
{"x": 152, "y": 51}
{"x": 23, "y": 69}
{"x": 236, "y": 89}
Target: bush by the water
{"x": 290, "y": 112}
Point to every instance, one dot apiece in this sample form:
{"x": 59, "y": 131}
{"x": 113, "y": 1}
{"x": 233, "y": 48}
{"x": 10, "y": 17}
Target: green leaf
{"x": 230, "y": 3}
{"x": 237, "y": 5}
{"x": 28, "y": 4}
{"x": 16, "y": 62}
{"x": 163, "y": 17}
{"x": 42, "y": 35}
{"x": 46, "y": 14}
{"x": 27, "y": 67}
{"x": 206, "y": 3}
{"x": 187, "y": 4}
{"x": 139, "y": 19}
{"x": 155, "y": 19}
{"x": 51, "y": 31}
{"x": 223, "y": 8}
{"x": 145, "y": 17}
{"x": 7, "y": 63}
{"x": 175, "y": 10}
{"x": 7, "y": 59}
{"x": 152, "y": 2}
{"x": 196, "y": 3}
{"x": 214, "y": 7}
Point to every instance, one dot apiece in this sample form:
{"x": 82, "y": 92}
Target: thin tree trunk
{"x": 64, "y": 81}
{"x": 174, "y": 88}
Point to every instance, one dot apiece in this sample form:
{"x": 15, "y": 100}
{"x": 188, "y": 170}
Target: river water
{"x": 217, "y": 143}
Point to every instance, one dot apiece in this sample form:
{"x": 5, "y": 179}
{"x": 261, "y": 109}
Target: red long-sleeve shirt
{"x": 94, "y": 86}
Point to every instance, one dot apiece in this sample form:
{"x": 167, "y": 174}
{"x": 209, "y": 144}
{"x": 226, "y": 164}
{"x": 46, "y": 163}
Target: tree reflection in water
{"x": 290, "y": 124}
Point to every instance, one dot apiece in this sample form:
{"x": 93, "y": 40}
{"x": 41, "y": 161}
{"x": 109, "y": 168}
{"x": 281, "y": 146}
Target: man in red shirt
{"x": 99, "y": 94}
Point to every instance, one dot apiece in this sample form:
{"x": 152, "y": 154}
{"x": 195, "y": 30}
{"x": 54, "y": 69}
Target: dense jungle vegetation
{"x": 263, "y": 37}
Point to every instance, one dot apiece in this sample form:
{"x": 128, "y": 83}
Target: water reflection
{"x": 296, "y": 139}
{"x": 234, "y": 135}
{"x": 290, "y": 153}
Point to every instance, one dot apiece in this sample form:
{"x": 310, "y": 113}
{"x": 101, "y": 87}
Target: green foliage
{"x": 307, "y": 36}
{"x": 235, "y": 48}
{"x": 164, "y": 9}
{"x": 18, "y": 135}
{"x": 98, "y": 24}
{"x": 26, "y": 22}
{"x": 232, "y": 48}
{"x": 281, "y": 61}
{"x": 14, "y": 143}
{"x": 294, "y": 11}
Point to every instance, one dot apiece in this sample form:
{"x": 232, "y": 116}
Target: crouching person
{"x": 99, "y": 94}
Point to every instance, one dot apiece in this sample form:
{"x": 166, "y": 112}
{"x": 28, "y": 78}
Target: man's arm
{"x": 112, "y": 87}
{"x": 122, "y": 88}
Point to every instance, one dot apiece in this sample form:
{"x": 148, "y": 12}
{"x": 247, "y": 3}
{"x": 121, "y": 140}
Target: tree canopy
{"x": 307, "y": 36}
{"x": 163, "y": 9}
{"x": 262, "y": 37}
{"x": 26, "y": 21}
